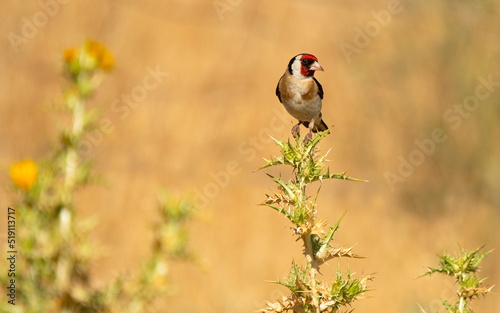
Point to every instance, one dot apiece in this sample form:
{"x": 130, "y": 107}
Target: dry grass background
{"x": 216, "y": 106}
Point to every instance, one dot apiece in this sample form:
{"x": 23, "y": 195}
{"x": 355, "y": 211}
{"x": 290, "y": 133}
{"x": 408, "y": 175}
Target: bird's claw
{"x": 308, "y": 138}
{"x": 296, "y": 131}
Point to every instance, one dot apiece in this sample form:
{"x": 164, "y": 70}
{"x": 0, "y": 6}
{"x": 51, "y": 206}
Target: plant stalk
{"x": 461, "y": 305}
{"x": 78, "y": 108}
{"x": 313, "y": 265}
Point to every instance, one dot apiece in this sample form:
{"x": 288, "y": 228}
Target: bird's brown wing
{"x": 278, "y": 93}
{"x": 320, "y": 88}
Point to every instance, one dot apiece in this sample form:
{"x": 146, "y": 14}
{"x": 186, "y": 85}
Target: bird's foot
{"x": 296, "y": 131}
{"x": 308, "y": 138}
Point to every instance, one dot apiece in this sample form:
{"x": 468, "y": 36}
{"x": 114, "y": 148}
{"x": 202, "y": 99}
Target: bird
{"x": 301, "y": 94}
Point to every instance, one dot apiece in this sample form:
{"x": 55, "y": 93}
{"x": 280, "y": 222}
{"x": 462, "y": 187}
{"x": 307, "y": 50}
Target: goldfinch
{"x": 301, "y": 94}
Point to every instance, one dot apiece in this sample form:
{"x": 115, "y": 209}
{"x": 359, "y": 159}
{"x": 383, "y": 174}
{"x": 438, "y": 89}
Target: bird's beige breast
{"x": 310, "y": 90}
{"x": 300, "y": 97}
{"x": 296, "y": 89}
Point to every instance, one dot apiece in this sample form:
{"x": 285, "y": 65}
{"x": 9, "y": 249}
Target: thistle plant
{"x": 54, "y": 254}
{"x": 169, "y": 244}
{"x": 308, "y": 293}
{"x": 463, "y": 267}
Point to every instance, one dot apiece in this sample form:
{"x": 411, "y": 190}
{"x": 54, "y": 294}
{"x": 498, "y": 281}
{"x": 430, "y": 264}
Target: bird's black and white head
{"x": 304, "y": 65}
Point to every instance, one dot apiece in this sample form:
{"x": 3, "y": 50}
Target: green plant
{"x": 463, "y": 267}
{"x": 308, "y": 294}
{"x": 54, "y": 254}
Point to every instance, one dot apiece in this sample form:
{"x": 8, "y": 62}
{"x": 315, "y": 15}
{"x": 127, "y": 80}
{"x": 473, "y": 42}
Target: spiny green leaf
{"x": 336, "y": 226}
{"x": 345, "y": 290}
{"x": 448, "y": 306}
{"x": 281, "y": 210}
{"x": 296, "y": 276}
{"x": 269, "y": 163}
{"x": 287, "y": 187}
{"x": 313, "y": 202}
{"x": 325, "y": 243}
{"x": 461, "y": 264}
{"x": 286, "y": 284}
{"x": 343, "y": 176}
{"x": 312, "y": 144}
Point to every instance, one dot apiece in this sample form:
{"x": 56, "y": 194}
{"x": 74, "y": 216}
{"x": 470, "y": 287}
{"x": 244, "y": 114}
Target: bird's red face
{"x": 309, "y": 64}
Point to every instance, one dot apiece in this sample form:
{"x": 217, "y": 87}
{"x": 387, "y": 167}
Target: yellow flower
{"x": 90, "y": 56}
{"x": 69, "y": 55}
{"x": 24, "y": 174}
{"x": 104, "y": 59}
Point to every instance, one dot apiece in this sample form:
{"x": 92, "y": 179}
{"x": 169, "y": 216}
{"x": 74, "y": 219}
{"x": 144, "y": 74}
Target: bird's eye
{"x": 304, "y": 62}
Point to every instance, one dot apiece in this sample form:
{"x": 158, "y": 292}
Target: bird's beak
{"x": 316, "y": 67}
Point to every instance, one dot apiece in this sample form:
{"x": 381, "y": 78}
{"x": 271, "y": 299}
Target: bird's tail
{"x": 321, "y": 127}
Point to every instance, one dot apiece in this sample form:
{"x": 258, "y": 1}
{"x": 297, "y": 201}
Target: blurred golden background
{"x": 412, "y": 87}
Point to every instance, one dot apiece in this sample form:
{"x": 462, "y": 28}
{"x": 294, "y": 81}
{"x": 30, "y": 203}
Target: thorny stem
{"x": 308, "y": 246}
{"x": 461, "y": 306}
{"x": 308, "y": 294}
{"x": 313, "y": 265}
{"x": 77, "y": 105}
{"x": 78, "y": 108}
